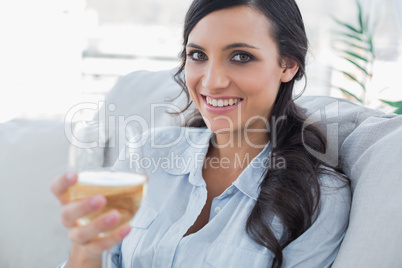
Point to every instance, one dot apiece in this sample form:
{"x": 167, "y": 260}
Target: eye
{"x": 197, "y": 55}
{"x": 242, "y": 57}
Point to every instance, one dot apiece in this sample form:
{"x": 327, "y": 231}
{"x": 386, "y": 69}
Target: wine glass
{"x": 123, "y": 190}
{"x": 88, "y": 146}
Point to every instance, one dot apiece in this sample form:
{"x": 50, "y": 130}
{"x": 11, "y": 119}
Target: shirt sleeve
{"x": 318, "y": 246}
{"x": 115, "y": 255}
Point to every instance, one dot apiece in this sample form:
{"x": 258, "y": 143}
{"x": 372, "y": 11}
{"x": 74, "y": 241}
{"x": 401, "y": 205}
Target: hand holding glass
{"x": 123, "y": 191}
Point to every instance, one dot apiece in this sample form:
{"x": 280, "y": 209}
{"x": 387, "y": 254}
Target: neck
{"x": 234, "y": 147}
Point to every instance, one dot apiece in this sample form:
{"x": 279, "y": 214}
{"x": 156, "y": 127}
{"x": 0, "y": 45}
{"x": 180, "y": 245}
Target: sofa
{"x": 365, "y": 143}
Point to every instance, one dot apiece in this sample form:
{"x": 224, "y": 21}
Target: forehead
{"x": 235, "y": 24}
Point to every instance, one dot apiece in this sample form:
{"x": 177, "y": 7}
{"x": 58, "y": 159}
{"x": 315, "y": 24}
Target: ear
{"x": 290, "y": 68}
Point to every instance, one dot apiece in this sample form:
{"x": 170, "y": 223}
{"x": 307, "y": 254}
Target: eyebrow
{"x": 231, "y": 46}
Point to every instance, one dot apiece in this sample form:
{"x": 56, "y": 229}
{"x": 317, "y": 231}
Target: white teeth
{"x": 222, "y": 103}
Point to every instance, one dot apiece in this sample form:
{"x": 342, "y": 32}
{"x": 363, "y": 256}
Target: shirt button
{"x": 230, "y": 191}
{"x": 217, "y": 210}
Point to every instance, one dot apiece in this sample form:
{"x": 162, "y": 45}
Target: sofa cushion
{"x": 131, "y": 100}
{"x": 33, "y": 153}
{"x": 372, "y": 157}
{"x": 337, "y": 118}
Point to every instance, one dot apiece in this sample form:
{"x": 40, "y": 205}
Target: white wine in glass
{"x": 124, "y": 191}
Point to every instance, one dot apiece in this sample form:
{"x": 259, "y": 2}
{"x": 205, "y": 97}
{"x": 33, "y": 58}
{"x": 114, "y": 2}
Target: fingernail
{"x": 112, "y": 218}
{"x": 125, "y": 231}
{"x": 96, "y": 201}
{"x": 70, "y": 176}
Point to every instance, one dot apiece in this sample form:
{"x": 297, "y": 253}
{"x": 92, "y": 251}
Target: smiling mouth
{"x": 222, "y": 102}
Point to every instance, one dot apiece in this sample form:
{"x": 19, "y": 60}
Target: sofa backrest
{"x": 365, "y": 143}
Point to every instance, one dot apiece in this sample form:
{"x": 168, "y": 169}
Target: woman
{"x": 246, "y": 191}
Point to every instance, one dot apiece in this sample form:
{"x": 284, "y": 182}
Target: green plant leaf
{"x": 349, "y": 43}
{"x": 370, "y": 42}
{"x": 350, "y": 94}
{"x": 358, "y": 66}
{"x": 359, "y": 7}
{"x": 397, "y": 104}
{"x": 357, "y": 37}
{"x": 398, "y": 111}
{"x": 354, "y": 79}
{"x": 347, "y": 26}
{"x": 366, "y": 24}
{"x": 355, "y": 55}
{"x": 357, "y": 48}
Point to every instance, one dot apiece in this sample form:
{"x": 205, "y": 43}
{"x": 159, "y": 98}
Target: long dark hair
{"x": 292, "y": 194}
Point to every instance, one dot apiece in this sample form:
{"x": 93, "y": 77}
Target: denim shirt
{"x": 177, "y": 193}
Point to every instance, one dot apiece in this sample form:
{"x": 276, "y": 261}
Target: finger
{"x": 59, "y": 186}
{"x": 85, "y": 234}
{"x": 109, "y": 241}
{"x": 71, "y": 212}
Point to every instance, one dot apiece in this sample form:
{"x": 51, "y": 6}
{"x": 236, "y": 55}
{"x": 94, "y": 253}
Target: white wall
{"x": 42, "y": 72}
{"x": 40, "y": 56}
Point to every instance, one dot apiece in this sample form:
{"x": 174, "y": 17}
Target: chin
{"x": 221, "y": 128}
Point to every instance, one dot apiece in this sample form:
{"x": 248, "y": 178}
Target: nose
{"x": 215, "y": 77}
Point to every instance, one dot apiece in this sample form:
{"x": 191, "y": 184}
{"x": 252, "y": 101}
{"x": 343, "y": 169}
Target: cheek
{"x": 190, "y": 75}
{"x": 191, "y": 80}
{"x": 261, "y": 88}
{"x": 271, "y": 80}
{"x": 260, "y": 84}
{"x": 261, "y": 74}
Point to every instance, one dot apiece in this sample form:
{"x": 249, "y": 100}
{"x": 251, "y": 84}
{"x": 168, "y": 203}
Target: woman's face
{"x": 232, "y": 69}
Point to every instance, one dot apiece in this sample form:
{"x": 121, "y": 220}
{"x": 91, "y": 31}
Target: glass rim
{"x": 131, "y": 178}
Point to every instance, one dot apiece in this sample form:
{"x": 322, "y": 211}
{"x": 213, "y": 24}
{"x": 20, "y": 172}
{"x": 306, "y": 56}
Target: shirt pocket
{"x": 144, "y": 217}
{"x": 220, "y": 255}
{"x": 140, "y": 224}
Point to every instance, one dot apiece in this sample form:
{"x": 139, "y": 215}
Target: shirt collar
{"x": 191, "y": 153}
{"x": 250, "y": 179}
